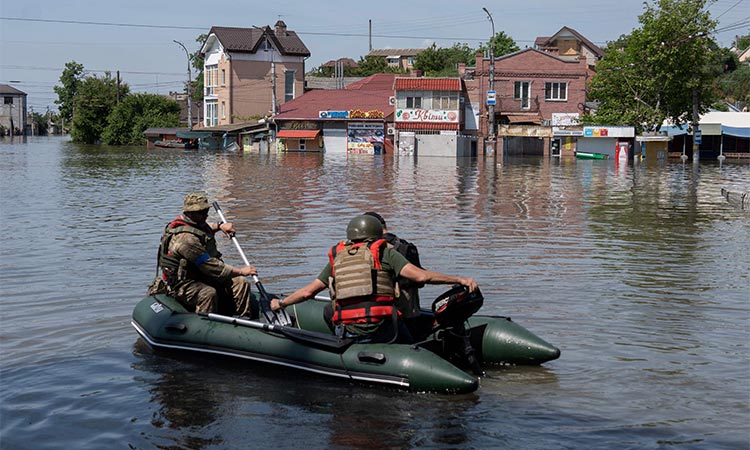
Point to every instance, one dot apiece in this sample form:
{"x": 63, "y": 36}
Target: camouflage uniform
{"x": 194, "y": 271}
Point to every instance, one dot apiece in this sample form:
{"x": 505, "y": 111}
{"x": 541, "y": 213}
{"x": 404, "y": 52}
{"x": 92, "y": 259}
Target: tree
{"x": 370, "y": 65}
{"x": 735, "y": 86}
{"x": 197, "y": 60}
{"x": 137, "y": 112}
{"x": 659, "y": 67}
{"x": 94, "y": 101}
{"x": 41, "y": 122}
{"x": 742, "y": 42}
{"x": 443, "y": 62}
{"x": 71, "y": 79}
{"x": 502, "y": 44}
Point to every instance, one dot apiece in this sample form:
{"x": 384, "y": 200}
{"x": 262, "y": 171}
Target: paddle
{"x": 280, "y": 316}
{"x": 320, "y": 340}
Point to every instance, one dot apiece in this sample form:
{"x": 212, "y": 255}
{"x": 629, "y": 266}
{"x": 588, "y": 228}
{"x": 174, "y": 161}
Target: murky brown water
{"x": 641, "y": 275}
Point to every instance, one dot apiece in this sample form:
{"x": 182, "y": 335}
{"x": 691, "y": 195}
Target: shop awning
{"x": 428, "y": 126}
{"x": 298, "y": 134}
{"x": 525, "y": 118}
{"x": 193, "y": 134}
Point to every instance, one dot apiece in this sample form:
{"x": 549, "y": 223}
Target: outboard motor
{"x": 451, "y": 310}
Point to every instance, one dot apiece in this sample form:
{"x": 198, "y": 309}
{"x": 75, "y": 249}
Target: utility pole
{"x": 273, "y": 69}
{"x": 696, "y": 130}
{"x": 491, "y": 118}
{"x": 188, "y": 87}
{"x": 370, "y": 21}
{"x": 118, "y": 87}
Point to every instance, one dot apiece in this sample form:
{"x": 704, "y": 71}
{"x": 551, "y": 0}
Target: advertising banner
{"x": 364, "y": 138}
{"x": 426, "y": 115}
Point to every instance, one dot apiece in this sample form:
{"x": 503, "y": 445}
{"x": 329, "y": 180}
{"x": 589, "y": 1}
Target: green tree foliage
{"x": 41, "y": 122}
{"x": 653, "y": 76}
{"x": 742, "y": 42}
{"x": 502, "y": 44}
{"x": 95, "y": 99}
{"x": 197, "y": 60}
{"x": 70, "y": 79}
{"x": 370, "y": 65}
{"x": 735, "y": 86}
{"x": 137, "y": 112}
{"x": 443, "y": 62}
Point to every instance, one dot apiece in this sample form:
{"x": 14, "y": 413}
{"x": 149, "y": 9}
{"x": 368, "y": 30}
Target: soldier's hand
{"x": 248, "y": 270}
{"x": 228, "y": 229}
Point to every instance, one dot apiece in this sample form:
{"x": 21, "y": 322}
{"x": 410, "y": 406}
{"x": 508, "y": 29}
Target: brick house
{"x": 540, "y": 93}
{"x": 243, "y": 65}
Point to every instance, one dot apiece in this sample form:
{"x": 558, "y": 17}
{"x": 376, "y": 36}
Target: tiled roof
{"x": 367, "y": 95}
{"x": 396, "y": 51}
{"x": 247, "y": 40}
{"x": 427, "y": 84}
{"x": 7, "y": 89}
{"x": 348, "y": 62}
{"x": 379, "y": 81}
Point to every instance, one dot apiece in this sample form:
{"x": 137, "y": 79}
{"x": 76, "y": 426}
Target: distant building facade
{"x": 400, "y": 58}
{"x": 243, "y": 65}
{"x": 13, "y": 110}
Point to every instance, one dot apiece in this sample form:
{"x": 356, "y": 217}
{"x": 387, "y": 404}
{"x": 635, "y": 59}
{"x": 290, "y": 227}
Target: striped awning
{"x": 419, "y": 126}
{"x": 298, "y": 134}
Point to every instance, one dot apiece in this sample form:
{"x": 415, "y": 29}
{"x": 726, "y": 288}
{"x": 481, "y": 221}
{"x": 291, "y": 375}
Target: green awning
{"x": 193, "y": 134}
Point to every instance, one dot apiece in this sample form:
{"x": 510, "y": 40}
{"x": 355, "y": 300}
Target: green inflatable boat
{"x": 449, "y": 357}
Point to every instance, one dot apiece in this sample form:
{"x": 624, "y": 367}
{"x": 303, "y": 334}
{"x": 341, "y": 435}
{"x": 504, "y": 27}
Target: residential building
{"x": 400, "y": 58}
{"x": 429, "y": 117}
{"x": 356, "y": 119}
{"x": 13, "y": 110}
{"x": 540, "y": 94}
{"x": 250, "y": 72}
{"x": 570, "y": 44}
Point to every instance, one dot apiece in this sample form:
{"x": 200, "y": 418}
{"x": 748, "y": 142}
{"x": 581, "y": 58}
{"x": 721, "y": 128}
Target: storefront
{"x": 604, "y": 140}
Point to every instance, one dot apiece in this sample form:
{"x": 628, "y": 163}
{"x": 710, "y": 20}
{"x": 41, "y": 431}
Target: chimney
{"x": 279, "y": 28}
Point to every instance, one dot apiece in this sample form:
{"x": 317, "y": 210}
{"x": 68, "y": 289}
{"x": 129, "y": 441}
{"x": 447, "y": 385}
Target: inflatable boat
{"x": 449, "y": 356}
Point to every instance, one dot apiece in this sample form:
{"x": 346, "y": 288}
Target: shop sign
{"x": 333, "y": 114}
{"x": 426, "y": 115}
{"x": 609, "y": 132}
{"x": 363, "y": 137}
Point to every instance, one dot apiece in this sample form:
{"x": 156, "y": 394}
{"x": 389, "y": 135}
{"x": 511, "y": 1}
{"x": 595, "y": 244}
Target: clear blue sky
{"x": 135, "y": 36}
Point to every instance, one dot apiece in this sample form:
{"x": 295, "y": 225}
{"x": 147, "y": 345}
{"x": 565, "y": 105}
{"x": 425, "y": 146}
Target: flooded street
{"x": 639, "y": 274}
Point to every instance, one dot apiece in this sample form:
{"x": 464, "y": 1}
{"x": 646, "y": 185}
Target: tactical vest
{"x": 361, "y": 290}
{"x": 170, "y": 263}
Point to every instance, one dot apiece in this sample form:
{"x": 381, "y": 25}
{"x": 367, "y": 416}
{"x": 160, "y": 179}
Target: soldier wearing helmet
{"x": 192, "y": 267}
{"x": 361, "y": 275}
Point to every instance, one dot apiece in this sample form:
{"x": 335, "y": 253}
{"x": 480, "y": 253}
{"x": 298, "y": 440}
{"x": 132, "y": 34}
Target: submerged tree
{"x": 95, "y": 99}
{"x": 659, "y": 71}
{"x": 71, "y": 79}
{"x": 137, "y": 112}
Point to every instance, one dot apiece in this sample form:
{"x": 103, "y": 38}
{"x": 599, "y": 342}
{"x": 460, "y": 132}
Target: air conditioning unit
{"x": 392, "y": 100}
{"x": 391, "y": 130}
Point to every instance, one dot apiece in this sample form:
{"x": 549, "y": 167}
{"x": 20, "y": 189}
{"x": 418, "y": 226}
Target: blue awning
{"x": 735, "y": 131}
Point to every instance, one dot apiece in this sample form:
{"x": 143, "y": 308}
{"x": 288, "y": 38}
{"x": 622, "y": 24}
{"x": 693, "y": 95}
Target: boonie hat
{"x": 195, "y": 201}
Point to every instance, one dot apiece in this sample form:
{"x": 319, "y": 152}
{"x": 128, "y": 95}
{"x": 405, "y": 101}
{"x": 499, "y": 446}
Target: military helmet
{"x": 364, "y": 227}
{"x": 195, "y": 201}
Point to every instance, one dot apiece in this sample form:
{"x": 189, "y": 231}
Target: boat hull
{"x": 163, "y": 323}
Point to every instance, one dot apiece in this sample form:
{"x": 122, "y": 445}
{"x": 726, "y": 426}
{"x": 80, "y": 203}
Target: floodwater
{"x": 640, "y": 274}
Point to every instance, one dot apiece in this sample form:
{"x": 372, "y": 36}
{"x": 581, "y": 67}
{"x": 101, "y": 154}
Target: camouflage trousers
{"x": 233, "y": 298}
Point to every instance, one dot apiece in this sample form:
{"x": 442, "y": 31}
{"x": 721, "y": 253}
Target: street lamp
{"x": 491, "y": 121}
{"x": 189, "y": 105}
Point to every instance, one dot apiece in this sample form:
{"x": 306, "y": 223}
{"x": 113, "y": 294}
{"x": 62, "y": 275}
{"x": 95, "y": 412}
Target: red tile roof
{"x": 427, "y": 84}
{"x": 371, "y": 93}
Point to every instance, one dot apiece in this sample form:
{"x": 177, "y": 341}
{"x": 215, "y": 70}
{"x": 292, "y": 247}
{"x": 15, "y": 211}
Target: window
{"x": 223, "y": 77}
{"x": 288, "y": 85}
{"x": 211, "y": 119}
{"x": 414, "y": 102}
{"x": 522, "y": 91}
{"x": 211, "y": 80}
{"x": 302, "y": 144}
{"x": 393, "y": 62}
{"x": 410, "y": 61}
{"x": 555, "y": 91}
{"x": 8, "y": 100}
{"x": 223, "y": 110}
{"x": 444, "y": 101}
